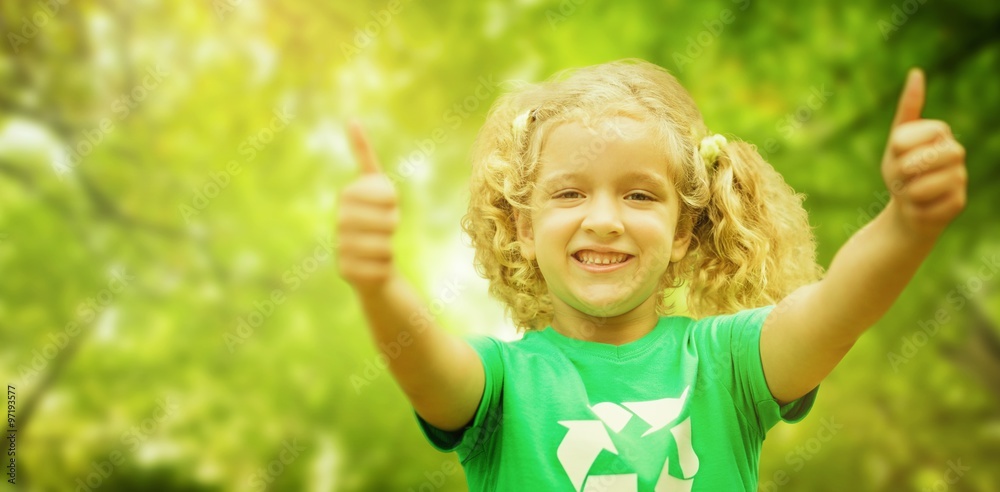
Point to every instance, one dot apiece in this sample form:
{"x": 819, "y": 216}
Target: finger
{"x": 911, "y": 101}
{"x": 363, "y": 150}
{"x": 369, "y": 219}
{"x": 943, "y": 209}
{"x": 927, "y": 158}
{"x": 365, "y": 271}
{"x": 910, "y": 135}
{"x": 930, "y": 187}
{"x": 374, "y": 189}
{"x": 369, "y": 246}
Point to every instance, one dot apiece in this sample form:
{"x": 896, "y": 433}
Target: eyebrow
{"x": 646, "y": 177}
{"x": 557, "y": 179}
{"x": 563, "y": 177}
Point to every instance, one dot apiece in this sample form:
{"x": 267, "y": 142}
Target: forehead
{"x": 606, "y": 147}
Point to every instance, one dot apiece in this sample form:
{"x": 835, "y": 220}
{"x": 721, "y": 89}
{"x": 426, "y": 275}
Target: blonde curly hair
{"x": 751, "y": 241}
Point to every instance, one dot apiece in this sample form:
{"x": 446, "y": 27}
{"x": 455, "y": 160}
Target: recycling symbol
{"x": 585, "y": 440}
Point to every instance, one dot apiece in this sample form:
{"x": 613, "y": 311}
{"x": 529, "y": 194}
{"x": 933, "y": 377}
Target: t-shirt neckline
{"x": 608, "y": 350}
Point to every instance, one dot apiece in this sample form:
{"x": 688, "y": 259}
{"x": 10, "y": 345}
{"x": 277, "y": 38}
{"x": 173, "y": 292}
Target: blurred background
{"x": 170, "y": 313}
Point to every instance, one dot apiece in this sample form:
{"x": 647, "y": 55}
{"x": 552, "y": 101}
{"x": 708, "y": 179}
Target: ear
{"x": 680, "y": 247}
{"x": 525, "y": 234}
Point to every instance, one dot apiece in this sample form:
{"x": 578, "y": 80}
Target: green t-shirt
{"x": 685, "y": 408}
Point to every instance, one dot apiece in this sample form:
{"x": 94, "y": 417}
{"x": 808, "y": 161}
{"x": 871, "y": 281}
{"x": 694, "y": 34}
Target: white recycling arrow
{"x": 685, "y": 452}
{"x": 612, "y": 415}
{"x": 658, "y": 413}
{"x": 579, "y": 449}
{"x": 668, "y": 483}
{"x": 585, "y": 440}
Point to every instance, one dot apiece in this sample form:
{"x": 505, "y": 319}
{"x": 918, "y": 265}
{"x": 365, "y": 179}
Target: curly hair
{"x": 751, "y": 241}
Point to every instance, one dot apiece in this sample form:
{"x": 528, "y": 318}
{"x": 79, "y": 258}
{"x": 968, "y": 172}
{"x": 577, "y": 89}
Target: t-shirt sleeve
{"x": 744, "y": 330}
{"x": 471, "y": 440}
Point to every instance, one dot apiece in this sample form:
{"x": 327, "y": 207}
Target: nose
{"x": 603, "y": 217}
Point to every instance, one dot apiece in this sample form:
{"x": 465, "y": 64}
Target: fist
{"x": 367, "y": 217}
{"x": 923, "y": 166}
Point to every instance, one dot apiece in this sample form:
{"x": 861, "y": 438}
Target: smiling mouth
{"x": 595, "y": 259}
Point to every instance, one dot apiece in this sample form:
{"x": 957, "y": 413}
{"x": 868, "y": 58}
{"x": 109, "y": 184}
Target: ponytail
{"x": 751, "y": 243}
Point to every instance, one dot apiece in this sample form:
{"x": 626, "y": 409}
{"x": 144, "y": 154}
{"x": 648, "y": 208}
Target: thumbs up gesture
{"x": 923, "y": 166}
{"x": 367, "y": 217}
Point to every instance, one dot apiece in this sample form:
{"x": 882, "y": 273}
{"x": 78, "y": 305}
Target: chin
{"x": 605, "y": 307}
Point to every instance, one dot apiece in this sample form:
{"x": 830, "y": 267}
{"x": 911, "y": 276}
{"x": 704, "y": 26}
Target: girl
{"x": 599, "y": 201}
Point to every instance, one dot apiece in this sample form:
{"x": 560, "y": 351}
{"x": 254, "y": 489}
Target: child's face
{"x": 603, "y": 195}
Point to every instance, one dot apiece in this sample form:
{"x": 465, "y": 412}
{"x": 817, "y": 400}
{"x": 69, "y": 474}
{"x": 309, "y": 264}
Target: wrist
{"x": 904, "y": 230}
{"x": 375, "y": 291}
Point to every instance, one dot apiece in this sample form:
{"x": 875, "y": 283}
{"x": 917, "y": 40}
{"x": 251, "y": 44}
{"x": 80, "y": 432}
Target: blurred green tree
{"x": 168, "y": 179}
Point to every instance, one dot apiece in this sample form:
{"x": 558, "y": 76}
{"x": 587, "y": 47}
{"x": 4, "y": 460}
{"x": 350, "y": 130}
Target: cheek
{"x": 655, "y": 237}
{"x": 553, "y": 226}
{"x": 652, "y": 227}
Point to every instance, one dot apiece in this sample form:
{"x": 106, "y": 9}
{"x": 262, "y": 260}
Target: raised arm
{"x": 440, "y": 373}
{"x": 810, "y": 331}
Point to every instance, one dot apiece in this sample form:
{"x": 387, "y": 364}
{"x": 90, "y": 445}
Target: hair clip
{"x": 710, "y": 147}
{"x": 522, "y": 120}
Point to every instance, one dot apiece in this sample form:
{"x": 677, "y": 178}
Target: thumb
{"x": 911, "y": 102}
{"x": 362, "y": 149}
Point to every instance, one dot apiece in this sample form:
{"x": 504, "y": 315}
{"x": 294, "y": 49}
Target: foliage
{"x": 194, "y": 151}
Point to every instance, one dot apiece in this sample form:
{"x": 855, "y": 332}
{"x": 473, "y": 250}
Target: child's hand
{"x": 367, "y": 218}
{"x": 923, "y": 166}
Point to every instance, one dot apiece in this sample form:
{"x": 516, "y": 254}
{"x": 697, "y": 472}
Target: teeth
{"x": 595, "y": 258}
